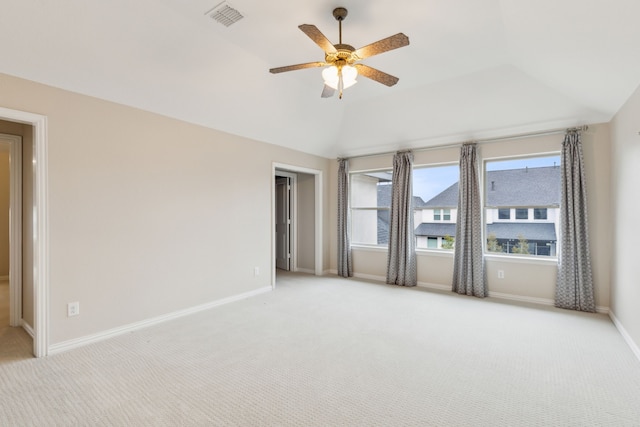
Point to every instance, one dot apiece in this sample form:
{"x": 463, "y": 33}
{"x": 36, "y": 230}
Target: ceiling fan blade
{"x": 384, "y": 45}
{"x": 377, "y": 75}
{"x": 328, "y": 92}
{"x": 314, "y": 34}
{"x": 297, "y": 67}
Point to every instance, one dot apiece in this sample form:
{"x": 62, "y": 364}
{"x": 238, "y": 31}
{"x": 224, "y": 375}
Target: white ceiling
{"x": 474, "y": 68}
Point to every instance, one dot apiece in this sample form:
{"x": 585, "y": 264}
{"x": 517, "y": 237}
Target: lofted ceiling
{"x": 473, "y": 69}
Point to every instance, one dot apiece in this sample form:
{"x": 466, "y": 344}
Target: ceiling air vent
{"x": 224, "y": 14}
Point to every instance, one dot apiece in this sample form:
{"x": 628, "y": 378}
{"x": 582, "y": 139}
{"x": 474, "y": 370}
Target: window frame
{"x": 365, "y": 208}
{"x": 531, "y": 218}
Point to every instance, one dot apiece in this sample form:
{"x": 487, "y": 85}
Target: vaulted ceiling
{"x": 473, "y": 69}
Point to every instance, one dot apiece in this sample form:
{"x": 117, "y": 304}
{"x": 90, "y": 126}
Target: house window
{"x": 370, "y": 200}
{"x": 540, "y": 213}
{"x": 532, "y": 184}
{"x": 435, "y": 199}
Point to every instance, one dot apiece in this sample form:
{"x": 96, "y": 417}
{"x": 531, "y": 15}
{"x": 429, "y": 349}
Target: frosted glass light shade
{"x": 331, "y": 76}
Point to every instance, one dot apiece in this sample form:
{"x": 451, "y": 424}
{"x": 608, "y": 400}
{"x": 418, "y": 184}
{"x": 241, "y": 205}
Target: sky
{"x": 430, "y": 181}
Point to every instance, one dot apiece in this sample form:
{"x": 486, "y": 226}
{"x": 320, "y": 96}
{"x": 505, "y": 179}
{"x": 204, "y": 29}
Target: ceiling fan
{"x": 341, "y": 59}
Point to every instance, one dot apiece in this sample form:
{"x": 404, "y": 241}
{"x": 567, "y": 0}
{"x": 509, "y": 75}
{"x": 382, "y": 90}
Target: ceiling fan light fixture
{"x": 333, "y": 74}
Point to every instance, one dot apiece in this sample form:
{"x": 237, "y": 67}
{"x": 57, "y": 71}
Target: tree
{"x": 448, "y": 242}
{"x": 522, "y": 247}
{"x": 492, "y": 244}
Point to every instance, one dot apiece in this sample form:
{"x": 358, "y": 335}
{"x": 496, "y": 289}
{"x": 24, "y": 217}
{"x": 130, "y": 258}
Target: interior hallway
{"x": 15, "y": 343}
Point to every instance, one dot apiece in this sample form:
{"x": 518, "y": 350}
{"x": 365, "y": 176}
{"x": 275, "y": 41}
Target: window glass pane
{"x": 531, "y": 183}
{"x": 370, "y": 195}
{"x": 435, "y": 197}
{"x": 540, "y": 213}
{"x": 371, "y": 189}
{"x": 370, "y": 226}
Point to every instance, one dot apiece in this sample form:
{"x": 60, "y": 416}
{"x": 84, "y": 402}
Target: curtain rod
{"x": 583, "y": 128}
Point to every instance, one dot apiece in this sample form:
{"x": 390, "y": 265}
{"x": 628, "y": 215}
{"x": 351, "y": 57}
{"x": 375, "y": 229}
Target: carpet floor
{"x": 335, "y": 352}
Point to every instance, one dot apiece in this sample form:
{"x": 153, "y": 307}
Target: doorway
{"x": 304, "y": 197}
{"x": 37, "y": 234}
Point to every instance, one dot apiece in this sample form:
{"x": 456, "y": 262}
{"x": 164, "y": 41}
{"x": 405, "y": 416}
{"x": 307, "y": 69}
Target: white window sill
{"x": 522, "y": 259}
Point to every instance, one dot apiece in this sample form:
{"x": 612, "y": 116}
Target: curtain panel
{"x": 401, "y": 258}
{"x": 574, "y": 286}
{"x": 345, "y": 265}
{"x": 468, "y": 266}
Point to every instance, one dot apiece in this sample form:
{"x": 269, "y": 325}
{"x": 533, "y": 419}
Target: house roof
{"x": 384, "y": 197}
{"x": 474, "y": 69}
{"x": 435, "y": 229}
{"x": 530, "y": 230}
{"x": 526, "y": 187}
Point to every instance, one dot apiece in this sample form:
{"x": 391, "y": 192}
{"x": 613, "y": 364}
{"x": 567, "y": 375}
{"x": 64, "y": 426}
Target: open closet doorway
{"x": 296, "y": 220}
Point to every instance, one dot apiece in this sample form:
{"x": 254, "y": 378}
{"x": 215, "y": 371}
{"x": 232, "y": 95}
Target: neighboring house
{"x": 384, "y": 199}
{"x": 522, "y": 212}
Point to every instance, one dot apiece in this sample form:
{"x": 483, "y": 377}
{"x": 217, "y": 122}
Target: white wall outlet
{"x": 500, "y": 274}
{"x": 256, "y": 271}
{"x": 73, "y": 309}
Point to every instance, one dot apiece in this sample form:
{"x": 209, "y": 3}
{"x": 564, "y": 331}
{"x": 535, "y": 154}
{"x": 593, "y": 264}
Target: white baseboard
{"x": 27, "y": 327}
{"x": 100, "y": 336}
{"x": 305, "y": 270}
{"x": 625, "y": 335}
{"x": 370, "y": 277}
{"x": 434, "y": 286}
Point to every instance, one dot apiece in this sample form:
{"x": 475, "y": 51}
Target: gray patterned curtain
{"x": 401, "y": 259}
{"x": 468, "y": 266}
{"x": 345, "y": 267}
{"x": 574, "y": 287}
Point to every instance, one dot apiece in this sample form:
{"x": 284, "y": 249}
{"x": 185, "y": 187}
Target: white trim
{"x": 305, "y": 270}
{"x": 41, "y": 227}
{"x": 435, "y": 286}
{"x": 370, "y": 277}
{"x": 522, "y": 259}
{"x": 100, "y": 336}
{"x": 15, "y": 228}
{"x": 27, "y": 327}
{"x": 318, "y": 177}
{"x": 625, "y": 335}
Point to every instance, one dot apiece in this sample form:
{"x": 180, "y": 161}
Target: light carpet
{"x": 337, "y": 352}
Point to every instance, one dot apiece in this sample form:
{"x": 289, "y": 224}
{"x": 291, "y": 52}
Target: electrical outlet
{"x": 256, "y": 271}
{"x": 500, "y": 274}
{"x": 73, "y": 309}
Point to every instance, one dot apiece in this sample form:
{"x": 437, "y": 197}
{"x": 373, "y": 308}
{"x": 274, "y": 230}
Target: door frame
{"x": 317, "y": 178}
{"x": 15, "y": 227}
{"x": 293, "y": 206}
{"x": 40, "y": 328}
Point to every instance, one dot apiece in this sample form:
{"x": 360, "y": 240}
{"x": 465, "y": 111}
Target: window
{"x": 435, "y": 197}
{"x": 370, "y": 194}
{"x": 540, "y": 213}
{"x": 533, "y": 185}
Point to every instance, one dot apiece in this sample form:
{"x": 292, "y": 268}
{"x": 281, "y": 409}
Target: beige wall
{"x": 625, "y": 270}
{"x": 4, "y": 212}
{"x": 148, "y": 215}
{"x": 306, "y": 222}
{"x": 530, "y": 279}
